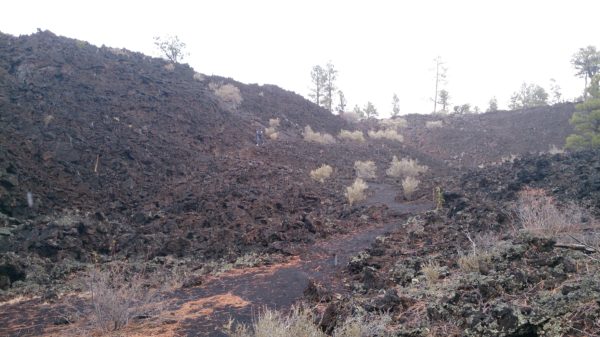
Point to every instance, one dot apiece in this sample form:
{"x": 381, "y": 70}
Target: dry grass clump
{"x": 274, "y": 122}
{"x": 317, "y": 137}
{"x": 555, "y": 150}
{"x": 350, "y": 116}
{"x": 272, "y": 133}
{"x": 540, "y": 215}
{"x": 390, "y": 134}
{"x": 434, "y": 124}
{"x": 198, "y": 77}
{"x": 228, "y": 94}
{"x": 364, "y": 326}
{"x": 405, "y": 167}
{"x": 48, "y": 119}
{"x": 169, "y": 67}
{"x": 321, "y": 173}
{"x": 431, "y": 271}
{"x": 394, "y": 122}
{"x": 117, "y": 296}
{"x": 365, "y": 169}
{"x": 356, "y": 191}
{"x": 409, "y": 186}
{"x": 272, "y": 323}
{"x": 472, "y": 261}
{"x": 299, "y": 323}
{"x": 352, "y": 135}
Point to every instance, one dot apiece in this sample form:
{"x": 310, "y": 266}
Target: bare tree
{"x": 440, "y": 78}
{"x": 171, "y": 47}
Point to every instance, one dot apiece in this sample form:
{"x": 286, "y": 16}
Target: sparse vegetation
{"x": 321, "y": 173}
{"x": 356, "y": 191}
{"x": 539, "y": 214}
{"x": 171, "y": 47}
{"x": 409, "y": 185}
{"x": 199, "y": 77}
{"x": 405, "y": 167}
{"x": 370, "y": 111}
{"x": 390, "y": 134}
{"x": 274, "y": 122}
{"x": 587, "y": 63}
{"x": 270, "y": 323}
{"x": 228, "y": 94}
{"x": 529, "y": 96}
{"x": 492, "y": 105}
{"x": 431, "y": 271}
{"x": 434, "y": 124}
{"x": 351, "y": 116}
{"x": 118, "y": 295}
{"x": 317, "y": 137}
{"x": 472, "y": 261}
{"x": 586, "y": 120}
{"x": 272, "y": 133}
{"x": 555, "y": 150}
{"x": 300, "y": 323}
{"x": 365, "y": 169}
{"x": 394, "y": 122}
{"x": 395, "y": 105}
{"x": 352, "y": 135}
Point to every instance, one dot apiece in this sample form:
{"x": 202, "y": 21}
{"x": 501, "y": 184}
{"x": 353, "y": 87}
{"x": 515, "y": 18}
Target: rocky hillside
{"x": 121, "y": 154}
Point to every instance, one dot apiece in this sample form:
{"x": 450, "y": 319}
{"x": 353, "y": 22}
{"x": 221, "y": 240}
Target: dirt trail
{"x": 240, "y": 294}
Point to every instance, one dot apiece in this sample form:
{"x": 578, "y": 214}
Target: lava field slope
{"x": 129, "y": 156}
{"x": 469, "y": 268}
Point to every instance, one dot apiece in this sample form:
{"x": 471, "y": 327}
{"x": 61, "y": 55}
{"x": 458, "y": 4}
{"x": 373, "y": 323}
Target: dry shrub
{"x": 356, "y": 191}
{"x": 405, "y": 167}
{"x": 390, "y": 134}
{"x": 472, "y": 261}
{"x": 117, "y": 296}
{"x": 274, "y": 122}
{"x": 434, "y": 124}
{"x": 555, "y": 150}
{"x": 48, "y": 119}
{"x": 409, "y": 185}
{"x": 300, "y": 323}
{"x": 539, "y": 214}
{"x": 365, "y": 169}
{"x": 321, "y": 173}
{"x": 350, "y": 116}
{"x": 394, "y": 122}
{"x": 321, "y": 138}
{"x": 228, "y": 94}
{"x": 271, "y": 323}
{"x": 364, "y": 326}
{"x": 272, "y": 133}
{"x": 169, "y": 67}
{"x": 431, "y": 271}
{"x": 198, "y": 77}
{"x": 352, "y": 135}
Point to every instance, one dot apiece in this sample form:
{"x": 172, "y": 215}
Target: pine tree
{"x": 586, "y": 120}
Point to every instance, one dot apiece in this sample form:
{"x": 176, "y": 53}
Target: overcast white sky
{"x": 379, "y": 47}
